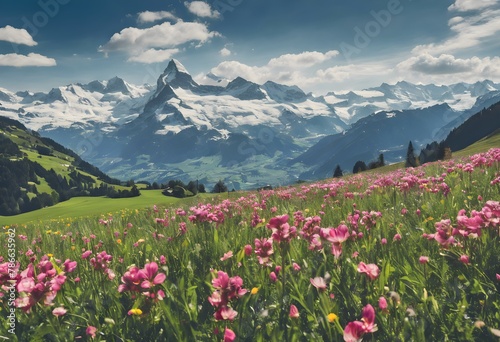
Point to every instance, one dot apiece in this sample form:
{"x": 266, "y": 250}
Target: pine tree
{"x": 411, "y": 161}
{"x": 338, "y": 172}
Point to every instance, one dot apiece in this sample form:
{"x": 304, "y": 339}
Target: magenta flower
{"x": 318, "y": 283}
{"x": 354, "y": 332}
{"x": 396, "y": 237}
{"x": 69, "y": 266}
{"x": 273, "y": 277}
{"x": 86, "y": 254}
{"x": 371, "y": 270}
{"x": 150, "y": 277}
{"x": 369, "y": 319}
{"x": 248, "y": 250}
{"x": 498, "y": 276}
{"x": 264, "y": 249}
{"x": 282, "y": 232}
{"x": 131, "y": 280}
{"x": 464, "y": 259}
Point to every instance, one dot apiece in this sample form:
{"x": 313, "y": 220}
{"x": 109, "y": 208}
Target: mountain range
{"x": 245, "y": 133}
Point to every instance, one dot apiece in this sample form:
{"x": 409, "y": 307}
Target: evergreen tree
{"x": 219, "y": 187}
{"x": 338, "y": 172}
{"x": 411, "y": 161}
{"x": 360, "y": 166}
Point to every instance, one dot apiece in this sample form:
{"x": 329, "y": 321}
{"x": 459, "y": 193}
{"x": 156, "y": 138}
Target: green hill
{"x": 36, "y": 172}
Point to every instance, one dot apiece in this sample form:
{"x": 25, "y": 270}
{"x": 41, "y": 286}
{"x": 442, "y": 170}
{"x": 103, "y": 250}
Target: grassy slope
{"x": 88, "y": 206}
{"x": 482, "y": 145}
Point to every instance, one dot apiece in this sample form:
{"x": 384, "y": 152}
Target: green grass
{"x": 92, "y": 206}
{"x": 80, "y": 207}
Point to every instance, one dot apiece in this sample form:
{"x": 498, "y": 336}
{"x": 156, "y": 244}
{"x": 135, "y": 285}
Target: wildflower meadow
{"x": 410, "y": 255}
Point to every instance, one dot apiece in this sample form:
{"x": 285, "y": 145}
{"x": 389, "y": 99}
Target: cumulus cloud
{"x": 466, "y": 33}
{"x": 201, "y": 9}
{"x": 31, "y": 60}
{"x": 225, "y": 52}
{"x": 433, "y": 68}
{"x": 302, "y": 60}
{"x": 151, "y": 17}
{"x": 153, "y": 56}
{"x": 291, "y": 69}
{"x": 471, "y": 5}
{"x": 140, "y": 42}
{"x": 444, "y": 64}
{"x": 16, "y": 36}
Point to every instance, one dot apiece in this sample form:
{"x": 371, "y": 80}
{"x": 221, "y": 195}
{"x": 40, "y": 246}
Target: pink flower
{"x": 354, "y": 332}
{"x": 229, "y": 335}
{"x": 86, "y": 254}
{"x": 273, "y": 277}
{"x": 91, "y": 331}
{"x": 369, "y": 319}
{"x": 248, "y": 250}
{"x": 371, "y": 270}
{"x": 318, "y": 283}
{"x": 296, "y": 267}
{"x": 382, "y": 304}
{"x": 464, "y": 259}
{"x": 226, "y": 313}
{"x": 150, "y": 276}
{"x": 383, "y": 241}
{"x": 227, "y": 256}
{"x": 163, "y": 260}
{"x": 264, "y": 249}
{"x": 396, "y": 237}
{"x": 498, "y": 277}
{"x": 423, "y": 259}
{"x": 69, "y": 266}
{"x": 294, "y": 312}
{"x": 60, "y": 311}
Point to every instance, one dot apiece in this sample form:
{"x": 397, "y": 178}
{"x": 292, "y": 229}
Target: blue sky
{"x": 319, "y": 45}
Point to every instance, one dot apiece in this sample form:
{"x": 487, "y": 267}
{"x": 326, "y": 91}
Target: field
{"x": 406, "y": 255}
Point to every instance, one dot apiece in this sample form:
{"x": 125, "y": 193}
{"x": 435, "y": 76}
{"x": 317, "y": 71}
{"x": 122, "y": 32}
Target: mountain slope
{"x": 37, "y": 172}
{"x": 384, "y": 132}
{"x": 478, "y": 126}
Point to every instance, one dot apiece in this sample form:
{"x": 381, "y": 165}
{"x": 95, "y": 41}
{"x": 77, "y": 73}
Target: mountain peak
{"x": 177, "y": 76}
{"x": 117, "y": 85}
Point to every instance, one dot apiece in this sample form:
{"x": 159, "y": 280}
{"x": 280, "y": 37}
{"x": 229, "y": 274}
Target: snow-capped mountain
{"x": 236, "y": 130}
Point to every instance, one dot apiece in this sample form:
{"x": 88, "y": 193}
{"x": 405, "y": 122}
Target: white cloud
{"x": 291, "y": 69}
{"x": 225, "y": 52}
{"x": 150, "y": 17}
{"x": 32, "y": 59}
{"x": 201, "y": 9}
{"x": 433, "y": 68}
{"x": 16, "y": 36}
{"x": 467, "y": 32}
{"x": 137, "y": 42}
{"x": 302, "y": 60}
{"x": 471, "y": 5}
{"x": 153, "y": 56}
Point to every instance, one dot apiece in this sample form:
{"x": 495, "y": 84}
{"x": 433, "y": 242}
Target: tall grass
{"x": 411, "y": 255}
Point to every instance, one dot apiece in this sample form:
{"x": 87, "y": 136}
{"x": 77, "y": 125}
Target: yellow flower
{"x": 254, "y": 290}
{"x": 48, "y": 232}
{"x": 50, "y": 255}
{"x": 332, "y": 317}
{"x": 135, "y": 312}
{"x": 73, "y": 248}
{"x": 140, "y": 241}
{"x": 119, "y": 241}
